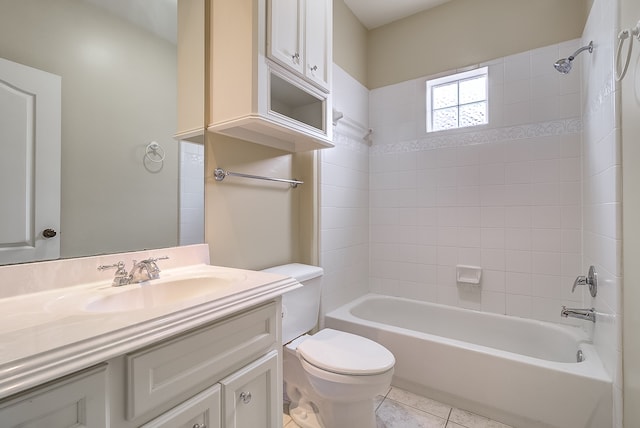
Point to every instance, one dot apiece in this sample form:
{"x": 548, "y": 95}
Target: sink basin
{"x": 147, "y": 295}
{"x": 160, "y": 294}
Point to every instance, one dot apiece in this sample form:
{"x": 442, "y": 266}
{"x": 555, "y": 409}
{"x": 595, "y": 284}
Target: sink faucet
{"x": 145, "y": 270}
{"x": 121, "y": 277}
{"x": 583, "y": 314}
{"x": 141, "y": 271}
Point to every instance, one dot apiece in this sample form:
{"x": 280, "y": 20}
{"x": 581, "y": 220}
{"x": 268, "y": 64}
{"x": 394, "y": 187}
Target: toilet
{"x": 331, "y": 378}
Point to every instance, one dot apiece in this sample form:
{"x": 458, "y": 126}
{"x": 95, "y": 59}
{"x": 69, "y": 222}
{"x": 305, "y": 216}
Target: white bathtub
{"x": 520, "y": 372}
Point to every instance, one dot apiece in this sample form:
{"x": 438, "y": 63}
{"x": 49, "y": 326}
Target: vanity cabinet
{"x": 299, "y": 36}
{"x": 277, "y": 96}
{"x": 75, "y": 401}
{"x": 169, "y": 370}
{"x": 223, "y": 374}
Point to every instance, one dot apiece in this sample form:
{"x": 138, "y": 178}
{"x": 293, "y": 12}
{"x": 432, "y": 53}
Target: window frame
{"x": 455, "y": 78}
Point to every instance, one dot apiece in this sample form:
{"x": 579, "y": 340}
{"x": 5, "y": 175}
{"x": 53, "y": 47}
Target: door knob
{"x": 49, "y": 233}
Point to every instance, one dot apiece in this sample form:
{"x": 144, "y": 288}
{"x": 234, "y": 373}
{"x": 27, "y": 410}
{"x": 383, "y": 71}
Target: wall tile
{"x": 506, "y": 197}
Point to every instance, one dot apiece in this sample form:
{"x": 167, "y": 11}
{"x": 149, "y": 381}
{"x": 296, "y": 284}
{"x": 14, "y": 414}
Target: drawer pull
{"x": 199, "y": 426}
{"x": 245, "y": 397}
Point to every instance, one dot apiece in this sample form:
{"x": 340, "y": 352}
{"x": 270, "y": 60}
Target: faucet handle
{"x": 155, "y": 259}
{"x": 121, "y": 276}
{"x": 580, "y": 280}
{"x": 591, "y": 280}
{"x": 119, "y": 266}
{"x": 151, "y": 263}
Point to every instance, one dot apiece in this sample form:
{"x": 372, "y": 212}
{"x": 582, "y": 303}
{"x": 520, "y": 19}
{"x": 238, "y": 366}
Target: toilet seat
{"x": 345, "y": 353}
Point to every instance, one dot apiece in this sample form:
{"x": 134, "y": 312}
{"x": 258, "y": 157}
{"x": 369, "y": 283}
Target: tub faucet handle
{"x": 580, "y": 280}
{"x": 591, "y": 280}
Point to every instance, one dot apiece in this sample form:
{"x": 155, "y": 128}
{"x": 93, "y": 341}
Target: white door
{"x": 30, "y": 128}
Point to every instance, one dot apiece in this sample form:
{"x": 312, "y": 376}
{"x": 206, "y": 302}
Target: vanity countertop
{"x": 52, "y": 333}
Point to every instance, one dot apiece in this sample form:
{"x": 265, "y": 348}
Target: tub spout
{"x": 583, "y": 314}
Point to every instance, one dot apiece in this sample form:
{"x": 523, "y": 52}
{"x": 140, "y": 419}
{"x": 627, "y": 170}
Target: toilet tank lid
{"x": 298, "y": 271}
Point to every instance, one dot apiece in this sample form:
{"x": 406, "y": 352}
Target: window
{"x": 457, "y": 101}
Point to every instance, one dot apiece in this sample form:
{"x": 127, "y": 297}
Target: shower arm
{"x": 589, "y": 47}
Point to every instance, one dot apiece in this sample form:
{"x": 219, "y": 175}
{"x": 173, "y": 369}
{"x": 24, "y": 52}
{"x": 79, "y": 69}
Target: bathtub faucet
{"x": 583, "y": 314}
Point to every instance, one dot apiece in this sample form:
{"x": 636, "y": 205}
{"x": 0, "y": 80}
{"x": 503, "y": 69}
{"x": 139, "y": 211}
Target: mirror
{"x": 117, "y": 61}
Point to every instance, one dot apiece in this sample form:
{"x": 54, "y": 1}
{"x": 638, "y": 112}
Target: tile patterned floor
{"x": 403, "y": 409}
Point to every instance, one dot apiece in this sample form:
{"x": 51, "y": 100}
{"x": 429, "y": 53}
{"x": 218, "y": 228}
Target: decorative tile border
{"x": 350, "y": 142}
{"x": 543, "y": 129}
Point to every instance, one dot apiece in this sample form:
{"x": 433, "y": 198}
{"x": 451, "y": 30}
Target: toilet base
{"x": 348, "y": 415}
{"x": 309, "y": 409}
{"x": 305, "y": 415}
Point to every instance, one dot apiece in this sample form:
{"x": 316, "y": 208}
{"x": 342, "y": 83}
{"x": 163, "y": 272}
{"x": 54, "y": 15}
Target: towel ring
{"x": 154, "y": 152}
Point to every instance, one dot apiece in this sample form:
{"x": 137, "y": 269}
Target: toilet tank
{"x": 300, "y": 307}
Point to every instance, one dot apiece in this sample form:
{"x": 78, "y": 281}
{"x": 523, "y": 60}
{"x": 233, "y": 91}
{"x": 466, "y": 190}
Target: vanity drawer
{"x": 195, "y": 360}
{"x": 77, "y": 400}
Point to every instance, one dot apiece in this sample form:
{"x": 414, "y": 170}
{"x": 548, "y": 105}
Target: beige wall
{"x": 349, "y": 42}
{"x": 254, "y": 224}
{"x": 118, "y": 95}
{"x": 630, "y": 94}
{"x": 465, "y": 32}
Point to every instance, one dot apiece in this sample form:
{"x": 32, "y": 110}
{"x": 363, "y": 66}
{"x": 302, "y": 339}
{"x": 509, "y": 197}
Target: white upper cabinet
{"x": 267, "y": 71}
{"x": 300, "y": 38}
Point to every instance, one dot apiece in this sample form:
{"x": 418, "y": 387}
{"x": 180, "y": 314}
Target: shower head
{"x": 564, "y": 65}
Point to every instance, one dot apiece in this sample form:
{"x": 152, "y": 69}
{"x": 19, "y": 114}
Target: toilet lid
{"x": 345, "y": 353}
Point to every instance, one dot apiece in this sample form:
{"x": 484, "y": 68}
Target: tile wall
{"x": 344, "y": 198}
{"x": 602, "y": 189}
{"x": 191, "y": 193}
{"x": 506, "y": 196}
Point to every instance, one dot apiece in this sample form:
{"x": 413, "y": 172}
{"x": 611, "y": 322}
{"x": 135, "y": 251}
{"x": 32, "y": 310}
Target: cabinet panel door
{"x": 202, "y": 410}
{"x": 251, "y": 395}
{"x": 318, "y": 41}
{"x": 77, "y": 401}
{"x": 285, "y": 33}
{"x": 162, "y": 372}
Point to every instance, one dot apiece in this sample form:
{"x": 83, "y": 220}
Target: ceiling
{"x": 158, "y": 16}
{"x": 374, "y": 13}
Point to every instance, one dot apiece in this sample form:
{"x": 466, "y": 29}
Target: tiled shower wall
{"x": 344, "y": 198}
{"x": 505, "y": 197}
{"x": 602, "y": 189}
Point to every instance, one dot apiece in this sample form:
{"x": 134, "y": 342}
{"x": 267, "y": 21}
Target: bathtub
{"x": 521, "y": 372}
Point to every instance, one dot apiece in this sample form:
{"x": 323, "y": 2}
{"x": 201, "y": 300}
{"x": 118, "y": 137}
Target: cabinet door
{"x": 285, "y": 33}
{"x": 251, "y": 395}
{"x": 76, "y": 401}
{"x": 200, "y": 411}
{"x": 318, "y": 41}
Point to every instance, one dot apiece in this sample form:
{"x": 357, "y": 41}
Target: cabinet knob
{"x": 296, "y": 57}
{"x": 199, "y": 426}
{"x": 245, "y": 397}
{"x": 314, "y": 68}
